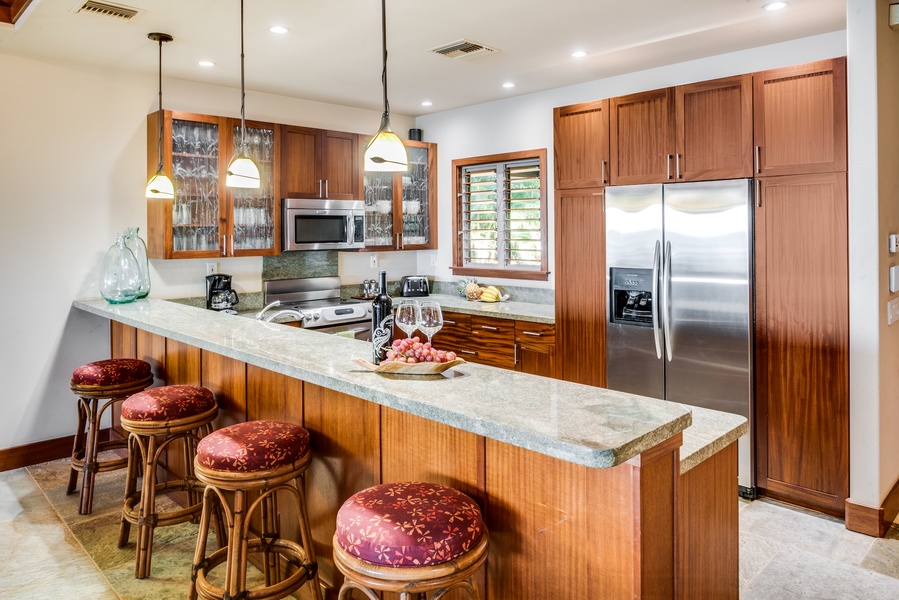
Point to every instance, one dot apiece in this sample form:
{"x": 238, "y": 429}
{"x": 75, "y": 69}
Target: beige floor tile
{"x": 884, "y": 555}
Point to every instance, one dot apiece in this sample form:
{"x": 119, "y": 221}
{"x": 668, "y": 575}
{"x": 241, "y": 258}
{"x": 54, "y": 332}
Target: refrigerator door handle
{"x": 666, "y": 301}
{"x": 656, "y": 328}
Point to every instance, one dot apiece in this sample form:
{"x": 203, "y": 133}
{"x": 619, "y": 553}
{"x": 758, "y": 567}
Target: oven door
{"x": 360, "y": 330}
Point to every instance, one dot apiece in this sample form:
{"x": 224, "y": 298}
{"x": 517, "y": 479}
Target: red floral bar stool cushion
{"x": 409, "y": 524}
{"x": 168, "y": 403}
{"x": 114, "y": 371}
{"x": 253, "y": 446}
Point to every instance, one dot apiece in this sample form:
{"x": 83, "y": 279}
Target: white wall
{"x": 72, "y": 174}
{"x": 525, "y": 122}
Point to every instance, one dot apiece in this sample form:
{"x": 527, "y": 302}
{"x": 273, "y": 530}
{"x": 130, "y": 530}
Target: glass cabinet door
{"x": 378, "y": 209}
{"x": 253, "y": 212}
{"x": 415, "y": 198}
{"x": 195, "y": 169}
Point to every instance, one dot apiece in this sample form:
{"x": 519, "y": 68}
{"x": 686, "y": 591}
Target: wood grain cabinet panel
{"x": 581, "y": 144}
{"x": 800, "y": 118}
{"x": 802, "y": 338}
{"x": 345, "y": 438}
{"x": 493, "y": 340}
{"x": 318, "y": 163}
{"x": 581, "y": 286}
{"x": 714, "y": 129}
{"x": 535, "y": 348}
{"x": 227, "y": 379}
{"x": 641, "y": 137}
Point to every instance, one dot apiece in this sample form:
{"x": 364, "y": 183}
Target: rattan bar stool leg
{"x": 271, "y": 531}
{"x": 131, "y": 476}
{"x": 147, "y": 516}
{"x": 77, "y": 447}
{"x": 90, "y": 458}
{"x": 306, "y": 533}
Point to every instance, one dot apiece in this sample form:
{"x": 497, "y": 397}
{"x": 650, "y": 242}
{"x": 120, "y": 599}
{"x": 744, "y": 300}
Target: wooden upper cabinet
{"x": 317, "y": 163}
{"x": 642, "y": 137}
{"x": 800, "y": 119}
{"x": 714, "y": 129}
{"x": 581, "y": 144}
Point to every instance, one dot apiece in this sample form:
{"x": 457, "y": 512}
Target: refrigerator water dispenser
{"x": 631, "y": 296}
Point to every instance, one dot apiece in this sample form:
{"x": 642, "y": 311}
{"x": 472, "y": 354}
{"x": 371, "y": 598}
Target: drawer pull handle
{"x": 534, "y": 333}
{"x": 489, "y": 328}
{"x": 445, "y": 322}
{"x": 468, "y": 352}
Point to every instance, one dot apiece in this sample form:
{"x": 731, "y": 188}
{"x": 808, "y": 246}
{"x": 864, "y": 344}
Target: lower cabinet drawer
{"x": 494, "y": 340}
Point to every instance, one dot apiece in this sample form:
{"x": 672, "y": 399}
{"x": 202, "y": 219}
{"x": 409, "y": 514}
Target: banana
{"x": 490, "y": 294}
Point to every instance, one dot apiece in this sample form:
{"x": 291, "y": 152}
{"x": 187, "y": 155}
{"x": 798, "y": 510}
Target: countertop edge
{"x": 709, "y": 433}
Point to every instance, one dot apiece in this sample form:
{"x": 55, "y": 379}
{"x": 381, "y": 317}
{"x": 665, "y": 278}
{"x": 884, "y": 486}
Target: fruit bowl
{"x": 400, "y": 368}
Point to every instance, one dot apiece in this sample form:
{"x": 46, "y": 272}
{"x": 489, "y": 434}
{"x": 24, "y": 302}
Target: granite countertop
{"x": 520, "y": 311}
{"x": 581, "y": 424}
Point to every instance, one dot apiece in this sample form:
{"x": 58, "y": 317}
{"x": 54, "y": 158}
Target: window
{"x": 500, "y": 215}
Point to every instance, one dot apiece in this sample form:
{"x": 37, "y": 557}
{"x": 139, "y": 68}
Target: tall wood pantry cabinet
{"x": 206, "y": 218}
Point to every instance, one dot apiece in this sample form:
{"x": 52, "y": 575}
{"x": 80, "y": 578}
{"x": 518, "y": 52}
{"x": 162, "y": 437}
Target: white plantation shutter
{"x": 501, "y": 225}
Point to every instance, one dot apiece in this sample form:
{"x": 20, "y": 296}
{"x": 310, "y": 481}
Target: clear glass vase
{"x": 139, "y": 249}
{"x": 119, "y": 274}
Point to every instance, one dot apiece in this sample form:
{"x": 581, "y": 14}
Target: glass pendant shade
{"x": 386, "y": 152}
{"x": 242, "y": 172}
{"x": 160, "y": 186}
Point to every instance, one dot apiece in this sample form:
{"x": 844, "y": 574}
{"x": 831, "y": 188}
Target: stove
{"x": 319, "y": 301}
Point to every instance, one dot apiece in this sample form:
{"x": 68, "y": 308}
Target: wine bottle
{"x": 381, "y": 321}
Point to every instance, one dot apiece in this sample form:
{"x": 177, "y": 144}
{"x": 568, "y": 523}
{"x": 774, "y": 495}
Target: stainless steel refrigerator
{"x": 679, "y": 275}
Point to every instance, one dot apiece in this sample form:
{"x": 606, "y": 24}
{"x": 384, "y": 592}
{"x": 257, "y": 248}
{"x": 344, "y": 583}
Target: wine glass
{"x": 430, "y": 319}
{"x": 407, "y": 316}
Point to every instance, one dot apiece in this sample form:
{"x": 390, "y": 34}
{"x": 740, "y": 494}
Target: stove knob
{"x": 307, "y": 318}
{"x": 316, "y": 316}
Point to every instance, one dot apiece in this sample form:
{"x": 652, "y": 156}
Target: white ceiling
{"x": 333, "y": 50}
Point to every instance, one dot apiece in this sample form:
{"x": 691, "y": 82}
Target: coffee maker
{"x": 219, "y": 295}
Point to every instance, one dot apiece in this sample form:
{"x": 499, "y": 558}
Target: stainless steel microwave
{"x": 322, "y": 224}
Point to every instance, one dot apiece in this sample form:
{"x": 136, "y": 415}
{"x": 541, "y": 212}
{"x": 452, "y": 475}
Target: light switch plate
{"x": 894, "y": 243}
{"x": 894, "y": 279}
{"x": 892, "y": 311}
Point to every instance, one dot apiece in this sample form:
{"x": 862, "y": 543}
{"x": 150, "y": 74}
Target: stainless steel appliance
{"x": 322, "y": 224}
{"x": 316, "y": 303}
{"x": 680, "y": 297}
{"x": 219, "y": 295}
{"x": 414, "y": 285}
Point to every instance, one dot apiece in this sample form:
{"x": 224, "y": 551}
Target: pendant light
{"x": 385, "y": 151}
{"x": 242, "y": 171}
{"x": 160, "y": 186}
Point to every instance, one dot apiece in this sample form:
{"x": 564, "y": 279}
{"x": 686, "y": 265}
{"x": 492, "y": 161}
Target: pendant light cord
{"x": 384, "y": 46}
{"x": 159, "y": 137}
{"x": 243, "y": 123}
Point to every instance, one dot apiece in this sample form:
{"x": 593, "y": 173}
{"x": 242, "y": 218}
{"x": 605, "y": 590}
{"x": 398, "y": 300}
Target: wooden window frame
{"x": 541, "y": 274}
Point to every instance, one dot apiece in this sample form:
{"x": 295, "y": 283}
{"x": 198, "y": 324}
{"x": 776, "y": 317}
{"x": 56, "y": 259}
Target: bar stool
{"x": 244, "y": 466}
{"x": 112, "y": 380}
{"x": 156, "y": 418}
{"x": 410, "y": 538}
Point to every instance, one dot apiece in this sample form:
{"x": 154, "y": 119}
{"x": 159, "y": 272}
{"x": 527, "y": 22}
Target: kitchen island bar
{"x": 578, "y": 484}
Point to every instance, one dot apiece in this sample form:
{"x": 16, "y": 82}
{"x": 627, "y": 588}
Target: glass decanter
{"x": 119, "y": 274}
{"x": 137, "y": 246}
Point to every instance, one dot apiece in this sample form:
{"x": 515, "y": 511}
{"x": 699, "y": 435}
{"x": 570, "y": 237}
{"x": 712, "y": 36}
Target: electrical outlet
{"x": 892, "y": 311}
{"x": 373, "y": 261}
{"x": 433, "y": 259}
{"x": 212, "y": 268}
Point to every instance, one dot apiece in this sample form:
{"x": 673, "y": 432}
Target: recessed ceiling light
{"x": 508, "y": 84}
{"x": 775, "y": 5}
{"x": 206, "y": 63}
{"x": 578, "y": 54}
{"x": 427, "y": 103}
{"x": 278, "y": 29}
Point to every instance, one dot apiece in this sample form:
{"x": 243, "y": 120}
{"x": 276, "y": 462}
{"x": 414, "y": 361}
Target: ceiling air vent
{"x": 464, "y": 49}
{"x": 108, "y": 10}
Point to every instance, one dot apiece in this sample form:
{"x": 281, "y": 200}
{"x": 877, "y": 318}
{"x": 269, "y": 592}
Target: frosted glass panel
{"x": 254, "y": 208}
{"x": 195, "y": 164}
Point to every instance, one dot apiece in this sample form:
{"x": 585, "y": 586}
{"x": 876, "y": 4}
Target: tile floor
{"x": 49, "y": 551}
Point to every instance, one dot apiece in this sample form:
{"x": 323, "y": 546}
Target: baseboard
{"x": 39, "y": 452}
{"x": 873, "y": 521}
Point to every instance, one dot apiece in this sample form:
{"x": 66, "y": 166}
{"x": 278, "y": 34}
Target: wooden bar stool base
{"x": 239, "y": 495}
{"x": 147, "y": 443}
{"x": 87, "y": 444}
